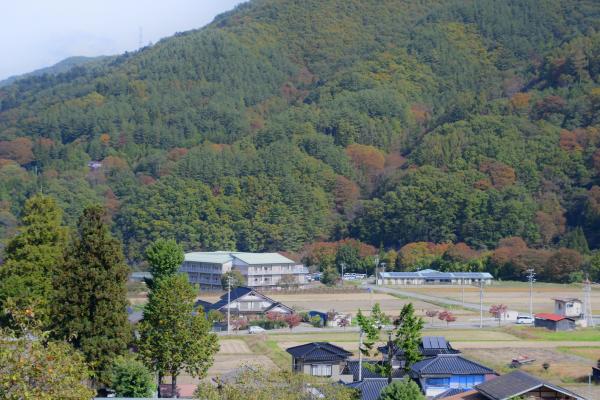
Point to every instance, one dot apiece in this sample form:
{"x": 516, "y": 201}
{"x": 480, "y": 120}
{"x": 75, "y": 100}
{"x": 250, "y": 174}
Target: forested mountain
{"x": 60, "y": 67}
{"x": 286, "y": 122}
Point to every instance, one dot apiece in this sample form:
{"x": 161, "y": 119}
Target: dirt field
{"x": 513, "y": 294}
{"x": 349, "y": 303}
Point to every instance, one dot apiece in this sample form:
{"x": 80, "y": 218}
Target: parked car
{"x": 255, "y": 329}
{"x": 525, "y": 320}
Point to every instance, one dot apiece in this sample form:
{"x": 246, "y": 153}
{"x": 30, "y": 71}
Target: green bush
{"x": 130, "y": 378}
{"x": 316, "y": 321}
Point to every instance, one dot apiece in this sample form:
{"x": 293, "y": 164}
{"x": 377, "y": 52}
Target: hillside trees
{"x": 281, "y": 124}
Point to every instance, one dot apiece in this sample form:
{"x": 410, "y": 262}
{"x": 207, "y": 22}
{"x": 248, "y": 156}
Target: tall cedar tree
{"x": 32, "y": 257}
{"x": 405, "y": 335}
{"x": 91, "y": 294}
{"x": 173, "y": 338}
{"x": 165, "y": 258}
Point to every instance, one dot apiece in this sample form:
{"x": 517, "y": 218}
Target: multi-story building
{"x": 260, "y": 270}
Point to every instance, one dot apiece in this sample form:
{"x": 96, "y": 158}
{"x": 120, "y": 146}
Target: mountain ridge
{"x": 283, "y": 123}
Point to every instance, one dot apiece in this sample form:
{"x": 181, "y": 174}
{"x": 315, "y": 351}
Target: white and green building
{"x": 260, "y": 270}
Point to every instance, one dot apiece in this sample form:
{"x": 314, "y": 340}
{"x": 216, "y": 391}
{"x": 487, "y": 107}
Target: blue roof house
{"x": 448, "y": 371}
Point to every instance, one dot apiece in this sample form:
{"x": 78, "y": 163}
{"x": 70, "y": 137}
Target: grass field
{"x": 514, "y": 294}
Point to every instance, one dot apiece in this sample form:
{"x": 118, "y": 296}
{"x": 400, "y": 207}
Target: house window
{"x": 438, "y": 381}
{"x": 468, "y": 381}
{"x": 320, "y": 370}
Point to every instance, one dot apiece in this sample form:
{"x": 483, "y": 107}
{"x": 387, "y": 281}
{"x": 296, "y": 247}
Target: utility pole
{"x": 228, "y": 304}
{"x": 531, "y": 279}
{"x": 587, "y": 302}
{"x": 360, "y": 344}
{"x": 481, "y": 303}
{"x": 376, "y": 271}
{"x": 343, "y": 267}
{"x": 462, "y": 286}
{"x": 382, "y": 272}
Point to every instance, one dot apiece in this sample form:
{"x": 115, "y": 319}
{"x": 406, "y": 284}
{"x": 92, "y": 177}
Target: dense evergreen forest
{"x": 462, "y": 131}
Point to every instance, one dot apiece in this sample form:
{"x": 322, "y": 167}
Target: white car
{"x": 525, "y": 320}
{"x": 255, "y": 329}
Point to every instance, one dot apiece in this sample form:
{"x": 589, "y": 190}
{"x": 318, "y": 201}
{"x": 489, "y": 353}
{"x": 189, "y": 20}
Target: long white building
{"x": 260, "y": 270}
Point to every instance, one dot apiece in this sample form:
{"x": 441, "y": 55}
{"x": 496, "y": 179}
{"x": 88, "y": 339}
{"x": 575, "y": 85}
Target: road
{"x": 424, "y": 297}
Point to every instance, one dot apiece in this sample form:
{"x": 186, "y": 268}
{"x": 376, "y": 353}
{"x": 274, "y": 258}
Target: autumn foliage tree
{"x": 446, "y": 316}
{"x": 292, "y": 320}
{"x": 498, "y": 311}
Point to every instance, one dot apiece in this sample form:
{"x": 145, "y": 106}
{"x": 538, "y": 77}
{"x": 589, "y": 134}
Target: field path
{"x": 423, "y": 297}
{"x": 539, "y": 344}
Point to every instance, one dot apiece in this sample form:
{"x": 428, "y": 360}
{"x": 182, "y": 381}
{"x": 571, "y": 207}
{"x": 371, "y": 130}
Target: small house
{"x": 320, "y": 359}
{"x": 554, "y": 322}
{"x": 520, "y": 384}
{"x": 448, "y": 371}
{"x": 247, "y": 302}
{"x": 568, "y": 307}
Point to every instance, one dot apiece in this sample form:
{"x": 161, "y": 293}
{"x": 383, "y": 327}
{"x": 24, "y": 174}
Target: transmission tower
{"x": 587, "y": 302}
{"x": 141, "y": 38}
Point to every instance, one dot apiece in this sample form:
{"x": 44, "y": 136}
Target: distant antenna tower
{"x": 141, "y": 38}
{"x": 587, "y": 302}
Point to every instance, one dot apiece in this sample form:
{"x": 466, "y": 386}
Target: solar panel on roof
{"x": 427, "y": 342}
{"x": 434, "y": 342}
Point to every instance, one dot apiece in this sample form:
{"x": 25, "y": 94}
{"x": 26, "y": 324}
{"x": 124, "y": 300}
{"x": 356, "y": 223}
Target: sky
{"x": 39, "y": 33}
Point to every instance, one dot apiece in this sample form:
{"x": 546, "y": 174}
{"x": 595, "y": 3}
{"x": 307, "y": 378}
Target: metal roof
{"x": 433, "y": 274}
{"x": 213, "y": 257}
{"x": 319, "y": 351}
{"x": 262, "y": 258}
{"x": 222, "y": 257}
{"x": 449, "y": 364}
{"x": 551, "y": 317}
{"x": 515, "y": 384}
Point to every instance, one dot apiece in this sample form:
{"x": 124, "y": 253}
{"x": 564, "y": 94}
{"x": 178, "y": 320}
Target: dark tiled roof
{"x": 450, "y": 392}
{"x": 235, "y": 294}
{"x": 449, "y": 364}
{"x": 352, "y": 368}
{"x": 515, "y": 384}
{"x": 319, "y": 351}
{"x": 206, "y": 305}
{"x": 369, "y": 388}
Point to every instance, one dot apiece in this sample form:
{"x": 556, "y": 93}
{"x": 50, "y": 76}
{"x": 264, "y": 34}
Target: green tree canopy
{"x": 32, "y": 367}
{"x": 33, "y": 256}
{"x": 237, "y": 279}
{"x": 164, "y": 258}
{"x": 404, "y": 389}
{"x": 174, "y": 337}
{"x": 90, "y": 303}
{"x": 130, "y": 378}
